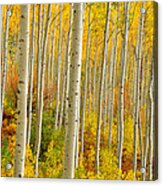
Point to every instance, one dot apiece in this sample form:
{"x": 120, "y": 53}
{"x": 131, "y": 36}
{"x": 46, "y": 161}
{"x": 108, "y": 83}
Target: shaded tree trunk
{"x": 151, "y": 127}
{"x": 137, "y": 96}
{"x": 85, "y": 83}
{"x": 58, "y": 72}
{"x": 112, "y": 79}
{"x": 39, "y": 54}
{"x": 41, "y": 100}
{"x": 121, "y": 85}
{"x": 68, "y": 65}
{"x": 32, "y": 54}
{"x": 101, "y": 91}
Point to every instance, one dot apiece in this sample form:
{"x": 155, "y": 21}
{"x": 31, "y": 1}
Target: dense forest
{"x": 78, "y": 90}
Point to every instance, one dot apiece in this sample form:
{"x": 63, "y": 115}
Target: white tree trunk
{"x": 23, "y": 53}
{"x": 137, "y": 95}
{"x": 85, "y": 83}
{"x": 58, "y": 72}
{"x": 53, "y": 48}
{"x": 39, "y": 54}
{"x": 112, "y": 79}
{"x": 74, "y": 91}
{"x": 151, "y": 127}
{"x": 101, "y": 89}
{"x": 32, "y": 54}
{"x": 94, "y": 76}
{"x": 68, "y": 65}
{"x": 122, "y": 82}
{"x": 63, "y": 90}
{"x": 41, "y": 100}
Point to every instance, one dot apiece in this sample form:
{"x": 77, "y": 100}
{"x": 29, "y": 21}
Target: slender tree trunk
{"x": 151, "y": 127}
{"x": 68, "y": 65}
{"x": 105, "y": 98}
{"x": 89, "y": 80}
{"x": 85, "y": 84}
{"x": 53, "y": 49}
{"x": 112, "y": 80}
{"x": 101, "y": 91}
{"x": 22, "y": 91}
{"x": 58, "y": 74}
{"x": 63, "y": 91}
{"x": 146, "y": 144}
{"x": 98, "y": 80}
{"x": 39, "y": 54}
{"x": 31, "y": 76}
{"x": 94, "y": 77}
{"x": 41, "y": 100}
{"x": 137, "y": 124}
{"x": 140, "y": 87}
{"x": 74, "y": 92}
{"x": 122, "y": 82}
{"x": 4, "y": 77}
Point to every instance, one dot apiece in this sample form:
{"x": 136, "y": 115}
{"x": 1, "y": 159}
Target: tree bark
{"x": 39, "y": 54}
{"x": 137, "y": 96}
{"x": 122, "y": 82}
{"x": 32, "y": 54}
{"x": 112, "y": 79}
{"x": 101, "y": 91}
{"x": 151, "y": 127}
{"x": 74, "y": 92}
{"x": 41, "y": 100}
{"x": 68, "y": 65}
{"x": 22, "y": 91}
{"x": 53, "y": 49}
{"x": 85, "y": 83}
{"x": 94, "y": 76}
{"x": 58, "y": 74}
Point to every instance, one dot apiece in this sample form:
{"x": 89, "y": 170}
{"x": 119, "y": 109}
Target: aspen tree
{"x": 89, "y": 79}
{"x": 53, "y": 48}
{"x": 137, "y": 94}
{"x": 59, "y": 66}
{"x": 140, "y": 85}
{"x": 146, "y": 100}
{"x": 63, "y": 90}
{"x": 94, "y": 75}
{"x": 39, "y": 54}
{"x": 101, "y": 90}
{"x": 68, "y": 55}
{"x": 74, "y": 91}
{"x": 151, "y": 127}
{"x": 79, "y": 103}
{"x": 112, "y": 78}
{"x": 41, "y": 100}
{"x": 122, "y": 82}
{"x": 105, "y": 96}
{"x": 4, "y": 76}
{"x": 32, "y": 54}
{"x": 23, "y": 53}
{"x": 85, "y": 83}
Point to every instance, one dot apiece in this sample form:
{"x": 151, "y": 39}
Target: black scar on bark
{"x": 21, "y": 82}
